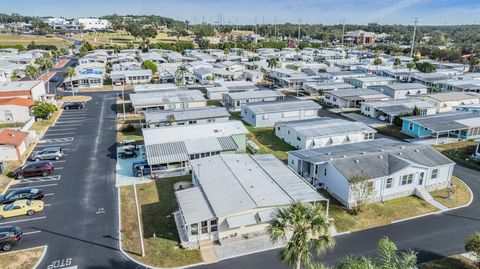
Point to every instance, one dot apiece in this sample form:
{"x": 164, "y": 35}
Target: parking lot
{"x": 80, "y": 209}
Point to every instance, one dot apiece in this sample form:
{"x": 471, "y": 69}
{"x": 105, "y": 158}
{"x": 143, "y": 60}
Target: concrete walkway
{"x": 245, "y": 246}
{"x": 364, "y": 119}
{"x": 208, "y": 251}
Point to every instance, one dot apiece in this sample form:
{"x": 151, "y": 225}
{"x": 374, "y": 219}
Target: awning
{"x": 266, "y": 215}
{"x": 242, "y": 220}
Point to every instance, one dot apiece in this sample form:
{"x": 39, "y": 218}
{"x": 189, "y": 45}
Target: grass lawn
{"x": 157, "y": 201}
{"x": 22, "y": 259}
{"x": 377, "y": 214}
{"x": 130, "y": 135}
{"x": 14, "y": 39}
{"x": 40, "y": 126}
{"x": 266, "y": 139}
{"x": 214, "y": 103}
{"x": 461, "y": 194}
{"x": 393, "y": 131}
{"x": 121, "y": 38}
{"x": 452, "y": 262}
{"x": 460, "y": 153}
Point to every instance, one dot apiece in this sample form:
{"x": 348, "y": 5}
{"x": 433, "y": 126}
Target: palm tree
{"x": 180, "y": 75}
{"x": 388, "y": 257}
{"x": 308, "y": 226}
{"x": 31, "y": 71}
{"x": 397, "y": 62}
{"x": 410, "y": 66}
{"x": 70, "y": 72}
{"x": 377, "y": 62}
{"x": 273, "y": 62}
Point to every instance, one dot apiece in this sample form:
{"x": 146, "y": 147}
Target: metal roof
{"x": 352, "y": 92}
{"x": 194, "y": 205}
{"x": 178, "y": 133}
{"x": 254, "y": 94}
{"x": 125, "y": 73}
{"x": 234, "y": 183}
{"x": 281, "y": 106}
{"x": 322, "y": 127}
{"x": 402, "y": 86}
{"x": 207, "y": 144}
{"x": 241, "y": 220}
{"x": 408, "y": 102}
{"x": 166, "y": 153}
{"x": 447, "y": 121}
{"x": 227, "y": 143}
{"x": 158, "y": 98}
{"x": 188, "y": 114}
{"x": 451, "y": 96}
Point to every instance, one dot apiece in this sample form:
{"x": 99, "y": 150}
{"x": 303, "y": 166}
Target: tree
{"x": 170, "y": 119}
{"x": 426, "y": 67}
{"x": 138, "y": 30}
{"x": 388, "y": 257}
{"x": 201, "y": 31}
{"x": 180, "y": 74}
{"x": 410, "y": 66}
{"x": 31, "y": 72}
{"x": 70, "y": 72}
{"x": 473, "y": 245}
{"x": 308, "y": 226}
{"x": 178, "y": 30}
{"x": 273, "y": 62}
{"x": 149, "y": 64}
{"x": 397, "y": 62}
{"x": 360, "y": 190}
{"x": 42, "y": 110}
{"x": 474, "y": 61}
{"x": 377, "y": 62}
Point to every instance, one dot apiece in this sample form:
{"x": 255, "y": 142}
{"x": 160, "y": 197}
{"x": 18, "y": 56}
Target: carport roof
{"x": 194, "y": 205}
{"x": 447, "y": 121}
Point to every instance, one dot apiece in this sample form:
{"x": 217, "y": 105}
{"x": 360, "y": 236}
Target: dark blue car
{"x": 147, "y": 170}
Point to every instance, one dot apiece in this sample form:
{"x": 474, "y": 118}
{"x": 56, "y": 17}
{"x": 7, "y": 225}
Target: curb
{"x": 41, "y": 257}
{"x": 132, "y": 259}
{"x": 8, "y": 186}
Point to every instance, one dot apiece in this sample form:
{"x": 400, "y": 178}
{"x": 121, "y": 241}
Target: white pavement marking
{"x": 47, "y": 205}
{"x": 22, "y": 220}
{"x": 71, "y": 124}
{"x": 62, "y": 129}
{"x": 61, "y": 161}
{"x": 58, "y": 140}
{"x": 32, "y": 232}
{"x": 49, "y": 194}
{"x": 46, "y": 145}
{"x": 36, "y": 186}
{"x": 55, "y": 134}
{"x": 68, "y": 121}
{"x": 39, "y": 179}
{"x": 73, "y": 119}
{"x": 58, "y": 168}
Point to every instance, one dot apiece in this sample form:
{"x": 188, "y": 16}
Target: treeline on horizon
{"x": 439, "y": 42}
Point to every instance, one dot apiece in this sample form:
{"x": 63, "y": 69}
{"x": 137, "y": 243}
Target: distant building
{"x": 365, "y": 82}
{"x": 352, "y": 98}
{"x": 360, "y": 37}
{"x": 269, "y": 113}
{"x": 33, "y": 89}
{"x": 234, "y": 101}
{"x": 401, "y": 90}
{"x": 93, "y": 24}
{"x": 167, "y": 100}
{"x": 199, "y": 115}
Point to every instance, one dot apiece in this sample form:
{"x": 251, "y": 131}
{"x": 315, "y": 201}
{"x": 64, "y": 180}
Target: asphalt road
{"x": 80, "y": 223}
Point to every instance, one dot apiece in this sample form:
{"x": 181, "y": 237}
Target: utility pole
{"x": 343, "y": 31}
{"x": 255, "y": 25}
{"x": 299, "y": 23}
{"x": 275, "y": 27}
{"x": 413, "y": 38}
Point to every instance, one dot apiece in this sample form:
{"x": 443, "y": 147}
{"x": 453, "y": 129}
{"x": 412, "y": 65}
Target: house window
{"x": 434, "y": 173}
{"x": 370, "y": 186}
{"x": 407, "y": 179}
{"x": 334, "y": 99}
{"x": 265, "y": 117}
{"x": 192, "y": 122}
{"x": 211, "y": 120}
{"x": 410, "y": 126}
{"x": 299, "y": 139}
{"x": 325, "y": 172}
{"x": 204, "y": 227}
{"x": 368, "y": 136}
{"x": 8, "y": 115}
{"x": 194, "y": 229}
{"x": 213, "y": 225}
{"x": 389, "y": 183}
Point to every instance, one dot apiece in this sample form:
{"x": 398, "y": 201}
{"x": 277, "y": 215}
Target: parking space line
{"x": 47, "y": 205}
{"x": 73, "y": 119}
{"x": 58, "y": 168}
{"x": 49, "y": 194}
{"x": 49, "y": 134}
{"x": 32, "y": 232}
{"x": 62, "y": 129}
{"x": 22, "y": 220}
{"x": 71, "y": 124}
{"x": 61, "y": 161}
{"x": 36, "y": 186}
{"x": 68, "y": 121}
{"x": 46, "y": 144}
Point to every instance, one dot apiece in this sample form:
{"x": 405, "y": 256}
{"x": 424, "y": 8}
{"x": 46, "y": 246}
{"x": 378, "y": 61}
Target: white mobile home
{"x": 352, "y": 98}
{"x": 198, "y": 115}
{"x": 369, "y": 81}
{"x": 234, "y": 196}
{"x": 234, "y": 101}
{"x": 165, "y": 100}
{"x": 392, "y": 169}
{"x": 387, "y": 110}
{"x": 401, "y": 90}
{"x": 267, "y": 114}
{"x": 141, "y": 76}
{"x": 322, "y": 132}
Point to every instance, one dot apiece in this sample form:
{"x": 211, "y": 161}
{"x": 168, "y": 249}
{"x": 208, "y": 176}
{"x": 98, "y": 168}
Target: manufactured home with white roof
{"x": 165, "y": 100}
{"x": 234, "y": 101}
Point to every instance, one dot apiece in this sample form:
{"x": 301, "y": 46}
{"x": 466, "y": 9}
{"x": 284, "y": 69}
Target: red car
{"x": 33, "y": 169}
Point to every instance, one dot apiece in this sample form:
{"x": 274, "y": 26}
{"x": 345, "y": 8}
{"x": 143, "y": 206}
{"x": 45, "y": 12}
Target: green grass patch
{"x": 214, "y": 103}
{"x": 24, "y": 40}
{"x": 157, "y": 202}
{"x": 460, "y": 152}
{"x": 393, "y": 131}
{"x": 135, "y": 134}
{"x": 22, "y": 259}
{"x": 452, "y": 262}
{"x": 461, "y": 195}
{"x": 377, "y": 214}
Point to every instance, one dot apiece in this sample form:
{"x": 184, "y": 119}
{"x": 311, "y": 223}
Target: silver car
{"x": 53, "y": 153}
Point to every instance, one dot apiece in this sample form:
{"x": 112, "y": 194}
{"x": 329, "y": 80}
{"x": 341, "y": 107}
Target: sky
{"x": 429, "y": 12}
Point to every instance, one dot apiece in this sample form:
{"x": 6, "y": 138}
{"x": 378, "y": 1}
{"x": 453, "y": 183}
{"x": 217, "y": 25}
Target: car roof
{"x": 51, "y": 148}
{"x": 6, "y": 228}
{"x": 39, "y": 162}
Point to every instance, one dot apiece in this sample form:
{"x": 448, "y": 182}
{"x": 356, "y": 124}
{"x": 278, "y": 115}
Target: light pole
{"x": 140, "y": 230}
{"x": 123, "y": 103}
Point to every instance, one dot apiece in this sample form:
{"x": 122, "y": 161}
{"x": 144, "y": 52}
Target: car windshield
{"x": 8, "y": 207}
{"x": 34, "y": 191}
{"x": 10, "y": 194}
